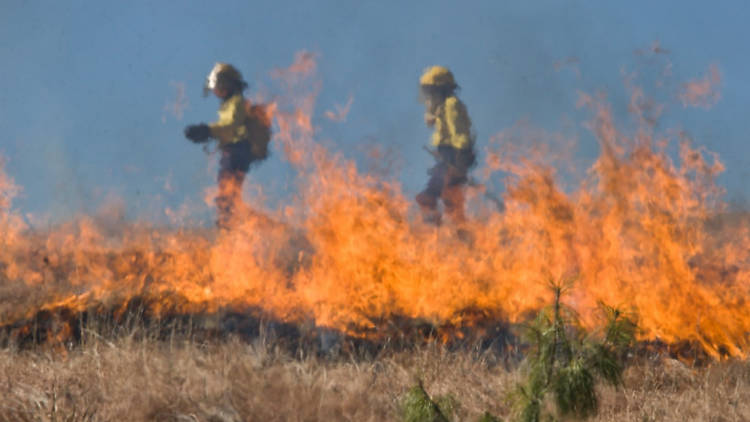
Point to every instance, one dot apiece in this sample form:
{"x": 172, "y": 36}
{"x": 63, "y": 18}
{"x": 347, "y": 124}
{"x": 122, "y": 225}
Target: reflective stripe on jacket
{"x": 452, "y": 125}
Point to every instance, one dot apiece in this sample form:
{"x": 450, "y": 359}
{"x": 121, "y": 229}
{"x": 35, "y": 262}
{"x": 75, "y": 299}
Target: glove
{"x": 198, "y": 133}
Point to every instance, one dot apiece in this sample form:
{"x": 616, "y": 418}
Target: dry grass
{"x": 141, "y": 378}
{"x": 135, "y": 374}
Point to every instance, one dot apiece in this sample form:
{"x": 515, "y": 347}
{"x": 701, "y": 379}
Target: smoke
{"x": 703, "y": 92}
{"x": 8, "y": 189}
{"x": 304, "y": 66}
{"x": 177, "y": 106}
{"x": 570, "y": 62}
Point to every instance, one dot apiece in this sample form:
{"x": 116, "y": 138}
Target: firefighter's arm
{"x": 457, "y": 121}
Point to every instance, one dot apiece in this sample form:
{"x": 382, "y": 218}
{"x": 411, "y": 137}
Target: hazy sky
{"x": 85, "y": 84}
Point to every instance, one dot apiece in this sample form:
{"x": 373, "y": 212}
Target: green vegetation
{"x": 418, "y": 406}
{"x": 565, "y": 362}
{"x": 488, "y": 417}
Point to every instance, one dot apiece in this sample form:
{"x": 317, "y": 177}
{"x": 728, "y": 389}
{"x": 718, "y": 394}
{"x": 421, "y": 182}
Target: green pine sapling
{"x": 566, "y": 362}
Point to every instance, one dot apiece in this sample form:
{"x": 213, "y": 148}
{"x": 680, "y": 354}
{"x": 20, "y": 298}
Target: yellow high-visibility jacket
{"x": 232, "y": 125}
{"x": 241, "y": 121}
{"x": 452, "y": 124}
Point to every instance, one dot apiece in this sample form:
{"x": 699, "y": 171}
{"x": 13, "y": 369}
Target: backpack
{"x": 258, "y": 128}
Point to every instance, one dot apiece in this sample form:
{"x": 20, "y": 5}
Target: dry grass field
{"x": 139, "y": 377}
{"x": 137, "y": 371}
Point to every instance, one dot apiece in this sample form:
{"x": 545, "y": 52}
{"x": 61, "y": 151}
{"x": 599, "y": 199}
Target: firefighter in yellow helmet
{"x": 453, "y": 143}
{"x": 242, "y": 131}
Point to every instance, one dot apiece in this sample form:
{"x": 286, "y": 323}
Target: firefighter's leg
{"x": 428, "y": 207}
{"x": 453, "y": 199}
{"x": 428, "y": 198}
{"x": 228, "y": 197}
{"x": 453, "y": 195}
{"x": 230, "y": 180}
{"x": 233, "y": 166}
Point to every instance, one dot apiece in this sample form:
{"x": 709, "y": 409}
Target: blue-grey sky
{"x": 85, "y": 84}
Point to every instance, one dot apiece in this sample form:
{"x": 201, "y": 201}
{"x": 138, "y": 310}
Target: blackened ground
{"x": 147, "y": 318}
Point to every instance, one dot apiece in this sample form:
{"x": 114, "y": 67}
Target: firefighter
{"x": 242, "y": 131}
{"x": 453, "y": 146}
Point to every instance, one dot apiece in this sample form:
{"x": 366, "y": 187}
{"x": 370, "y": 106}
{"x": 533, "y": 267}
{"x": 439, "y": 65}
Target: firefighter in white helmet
{"x": 242, "y": 131}
{"x": 453, "y": 143}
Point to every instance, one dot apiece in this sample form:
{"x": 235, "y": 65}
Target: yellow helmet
{"x": 223, "y": 74}
{"x": 438, "y": 76}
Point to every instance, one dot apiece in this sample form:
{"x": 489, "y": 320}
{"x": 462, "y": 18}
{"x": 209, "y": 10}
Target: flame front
{"x": 348, "y": 252}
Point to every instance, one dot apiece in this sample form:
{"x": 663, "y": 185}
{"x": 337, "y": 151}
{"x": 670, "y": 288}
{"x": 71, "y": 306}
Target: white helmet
{"x": 223, "y": 75}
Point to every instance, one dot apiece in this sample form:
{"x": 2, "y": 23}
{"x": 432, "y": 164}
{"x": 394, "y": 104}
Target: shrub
{"x": 565, "y": 362}
{"x": 418, "y": 406}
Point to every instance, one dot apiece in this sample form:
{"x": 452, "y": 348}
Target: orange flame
{"x": 642, "y": 231}
{"x": 341, "y": 111}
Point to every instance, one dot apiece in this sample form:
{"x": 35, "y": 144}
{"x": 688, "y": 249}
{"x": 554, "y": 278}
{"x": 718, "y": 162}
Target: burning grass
{"x": 644, "y": 230}
{"x": 139, "y": 315}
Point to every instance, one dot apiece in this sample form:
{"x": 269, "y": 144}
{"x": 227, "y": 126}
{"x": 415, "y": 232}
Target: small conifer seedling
{"x": 564, "y": 361}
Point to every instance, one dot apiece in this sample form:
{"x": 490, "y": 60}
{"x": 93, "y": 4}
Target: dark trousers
{"x": 447, "y": 182}
{"x": 233, "y": 166}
